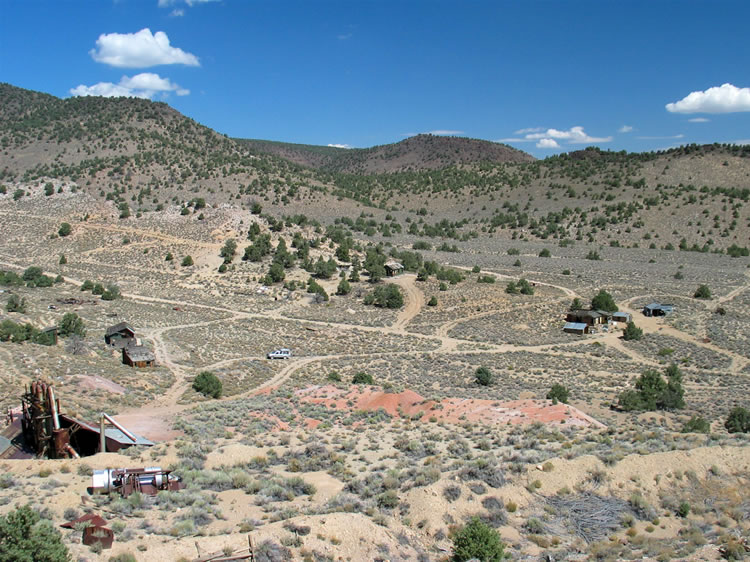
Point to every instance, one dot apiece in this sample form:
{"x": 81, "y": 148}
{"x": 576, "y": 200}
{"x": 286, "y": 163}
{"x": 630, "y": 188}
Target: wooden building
{"x": 579, "y": 328}
{"x": 393, "y": 268}
{"x": 138, "y": 356}
{"x": 656, "y": 309}
{"x": 120, "y": 335}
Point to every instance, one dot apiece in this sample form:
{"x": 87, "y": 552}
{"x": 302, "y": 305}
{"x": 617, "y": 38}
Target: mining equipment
{"x": 125, "y": 481}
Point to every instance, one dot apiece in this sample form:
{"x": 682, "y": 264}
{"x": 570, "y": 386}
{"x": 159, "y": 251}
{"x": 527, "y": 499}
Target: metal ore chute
{"x": 48, "y": 432}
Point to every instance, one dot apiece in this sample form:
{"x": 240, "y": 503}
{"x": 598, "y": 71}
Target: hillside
{"x": 420, "y": 152}
{"x": 146, "y": 157}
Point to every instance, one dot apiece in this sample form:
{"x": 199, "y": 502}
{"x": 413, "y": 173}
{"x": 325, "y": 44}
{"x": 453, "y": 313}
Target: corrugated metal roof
{"x": 575, "y": 326}
{"x": 139, "y": 353}
{"x": 109, "y": 432}
{"x": 118, "y": 328}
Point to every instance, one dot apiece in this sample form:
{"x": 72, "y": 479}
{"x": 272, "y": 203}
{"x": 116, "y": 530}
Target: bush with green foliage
{"x": 545, "y": 253}
{"x": 344, "y": 288}
{"x": 702, "y": 292}
{"x": 433, "y": 301}
{"x": 26, "y": 537}
{"x": 314, "y": 288}
{"x": 385, "y": 296}
{"x": 486, "y": 279}
{"x": 632, "y": 332}
{"x": 208, "y": 384}
{"x": 16, "y": 304}
{"x": 696, "y": 424}
{"x": 603, "y": 301}
{"x": 187, "y": 261}
{"x": 478, "y": 541}
{"x": 10, "y": 278}
{"x": 652, "y": 392}
{"x": 65, "y": 229}
{"x": 112, "y": 292}
{"x": 363, "y": 378}
{"x": 228, "y": 250}
{"x": 87, "y": 285}
{"x": 593, "y": 255}
{"x": 558, "y": 393}
{"x": 71, "y": 324}
{"x": 738, "y": 420}
{"x": 483, "y": 376}
{"x": 168, "y": 257}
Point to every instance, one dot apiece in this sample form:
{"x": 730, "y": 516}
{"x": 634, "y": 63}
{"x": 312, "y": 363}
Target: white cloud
{"x": 339, "y": 146}
{"x": 719, "y": 99}
{"x": 698, "y": 120}
{"x": 662, "y": 138}
{"x": 344, "y": 36}
{"x": 547, "y": 143}
{"x": 528, "y": 130}
{"x": 139, "y": 50}
{"x": 625, "y": 129}
{"x": 177, "y": 13}
{"x": 513, "y": 139}
{"x": 574, "y": 135}
{"x": 145, "y": 85}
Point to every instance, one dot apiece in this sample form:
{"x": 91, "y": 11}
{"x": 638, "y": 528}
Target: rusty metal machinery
{"x": 126, "y": 481}
{"x": 41, "y": 422}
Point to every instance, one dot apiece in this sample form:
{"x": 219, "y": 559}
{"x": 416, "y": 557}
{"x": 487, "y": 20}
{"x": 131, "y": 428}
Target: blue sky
{"x": 543, "y": 76}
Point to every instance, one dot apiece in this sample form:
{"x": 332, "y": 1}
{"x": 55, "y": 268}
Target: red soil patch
{"x": 454, "y": 410}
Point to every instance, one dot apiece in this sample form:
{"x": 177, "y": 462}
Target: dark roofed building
{"x": 120, "y": 335}
{"x": 579, "y": 328}
{"x": 138, "y": 356}
{"x": 656, "y": 309}
{"x": 589, "y": 317}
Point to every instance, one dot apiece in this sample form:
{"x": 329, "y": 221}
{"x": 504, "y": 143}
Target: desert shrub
{"x": 452, "y": 492}
{"x": 652, "y": 392}
{"x": 344, "y": 287}
{"x": 736, "y": 251}
{"x": 486, "y": 279}
{"x": 632, "y": 332}
{"x": 433, "y": 301}
{"x": 208, "y": 384}
{"x": 483, "y": 376}
{"x": 696, "y": 424}
{"x": 421, "y": 245}
{"x": 72, "y": 324}
{"x": 385, "y": 296}
{"x": 702, "y": 292}
{"x": 363, "y": 378}
{"x": 333, "y": 376}
{"x": 545, "y": 253}
{"x": 187, "y": 261}
{"x": 738, "y": 420}
{"x": 65, "y": 229}
{"x": 476, "y": 540}
{"x": 558, "y": 393}
{"x": 25, "y": 536}
{"x": 684, "y": 509}
{"x": 593, "y": 255}
{"x": 16, "y": 304}
{"x": 112, "y": 292}
{"x": 603, "y": 301}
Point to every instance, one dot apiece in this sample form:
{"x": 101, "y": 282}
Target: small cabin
{"x": 588, "y": 317}
{"x": 623, "y": 317}
{"x": 138, "y": 356}
{"x": 578, "y": 328}
{"x": 656, "y": 309}
{"x": 393, "y": 268}
{"x": 120, "y": 335}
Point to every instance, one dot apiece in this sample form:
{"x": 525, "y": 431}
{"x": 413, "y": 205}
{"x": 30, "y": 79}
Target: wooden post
{"x": 102, "y": 436}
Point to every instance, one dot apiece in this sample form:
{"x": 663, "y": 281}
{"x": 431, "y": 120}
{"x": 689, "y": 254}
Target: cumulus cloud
{"x": 547, "y": 143}
{"x": 139, "y": 50}
{"x": 574, "y": 135}
{"x": 145, "y": 85}
{"x": 625, "y": 129}
{"x": 339, "y": 145}
{"x": 719, "y": 99}
{"x": 528, "y": 130}
{"x": 698, "y": 120}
